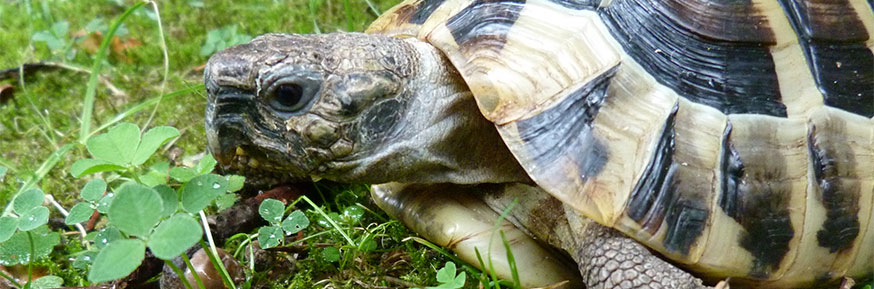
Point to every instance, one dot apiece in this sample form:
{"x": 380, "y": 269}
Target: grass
{"x": 45, "y": 113}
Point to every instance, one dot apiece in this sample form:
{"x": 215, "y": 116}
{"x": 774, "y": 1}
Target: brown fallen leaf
{"x": 91, "y": 42}
{"x": 118, "y": 47}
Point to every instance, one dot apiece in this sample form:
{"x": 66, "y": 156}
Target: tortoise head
{"x": 348, "y": 107}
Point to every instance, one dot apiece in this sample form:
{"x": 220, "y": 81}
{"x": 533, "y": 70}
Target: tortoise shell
{"x": 733, "y": 137}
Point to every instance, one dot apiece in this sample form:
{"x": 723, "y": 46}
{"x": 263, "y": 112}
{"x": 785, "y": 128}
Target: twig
{"x": 51, "y": 199}
{"x": 401, "y": 282}
{"x": 16, "y": 72}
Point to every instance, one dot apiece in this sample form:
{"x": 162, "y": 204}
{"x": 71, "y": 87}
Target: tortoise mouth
{"x": 257, "y": 167}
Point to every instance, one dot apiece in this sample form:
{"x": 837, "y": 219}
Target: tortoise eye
{"x": 288, "y": 97}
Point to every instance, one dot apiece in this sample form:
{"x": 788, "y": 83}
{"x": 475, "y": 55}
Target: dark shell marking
{"x": 833, "y": 169}
{"x": 731, "y": 76}
{"x": 833, "y": 38}
{"x": 423, "y": 10}
{"x": 484, "y": 23}
{"x": 653, "y": 193}
{"x": 578, "y": 4}
{"x": 756, "y": 197}
{"x": 558, "y": 127}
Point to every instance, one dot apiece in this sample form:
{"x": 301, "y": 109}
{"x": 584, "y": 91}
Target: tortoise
{"x": 655, "y": 142}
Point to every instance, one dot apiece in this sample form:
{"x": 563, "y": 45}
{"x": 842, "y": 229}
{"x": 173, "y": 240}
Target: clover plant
{"x": 154, "y": 207}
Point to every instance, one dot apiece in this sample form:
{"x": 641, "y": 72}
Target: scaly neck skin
{"x": 440, "y": 138}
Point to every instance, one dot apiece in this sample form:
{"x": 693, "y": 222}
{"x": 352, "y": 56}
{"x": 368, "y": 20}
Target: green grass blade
{"x": 218, "y": 265}
{"x": 440, "y": 250}
{"x": 144, "y": 105}
{"x": 333, "y": 224}
{"x": 511, "y": 260}
{"x": 193, "y": 270}
{"x": 373, "y": 8}
{"x": 91, "y": 89}
{"x": 314, "y": 6}
{"x": 8, "y": 164}
{"x": 484, "y": 277}
{"x": 495, "y": 231}
{"x": 350, "y": 24}
{"x": 179, "y": 273}
{"x": 166, "y": 73}
{"x": 10, "y": 279}
{"x": 41, "y": 172}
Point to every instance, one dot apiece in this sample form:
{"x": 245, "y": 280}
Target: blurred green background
{"x": 40, "y": 111}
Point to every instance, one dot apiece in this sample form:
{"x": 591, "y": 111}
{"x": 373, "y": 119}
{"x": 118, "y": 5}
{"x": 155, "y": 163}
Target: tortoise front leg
{"x": 456, "y": 218}
{"x": 609, "y": 259}
{"x": 462, "y": 218}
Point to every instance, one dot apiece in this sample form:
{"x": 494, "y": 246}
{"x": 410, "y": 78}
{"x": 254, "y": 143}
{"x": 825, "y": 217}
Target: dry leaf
{"x": 91, "y": 43}
{"x": 118, "y": 48}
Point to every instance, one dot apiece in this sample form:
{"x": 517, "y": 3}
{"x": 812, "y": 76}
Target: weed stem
{"x": 193, "y": 271}
{"x": 179, "y": 273}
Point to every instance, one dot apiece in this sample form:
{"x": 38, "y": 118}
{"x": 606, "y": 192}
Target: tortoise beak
{"x": 224, "y": 110}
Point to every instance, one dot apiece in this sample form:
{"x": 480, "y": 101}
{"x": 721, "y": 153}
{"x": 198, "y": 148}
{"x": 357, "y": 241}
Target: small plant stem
{"x": 134, "y": 175}
{"x": 30, "y": 261}
{"x": 213, "y": 253}
{"x": 31, "y": 67}
{"x": 91, "y": 88}
{"x": 207, "y": 231}
{"x": 11, "y": 280}
{"x": 166, "y": 61}
{"x": 193, "y": 271}
{"x": 82, "y": 232}
{"x": 373, "y": 7}
{"x": 24, "y": 89}
{"x": 179, "y": 273}
{"x": 436, "y": 248}
{"x": 333, "y": 224}
{"x": 496, "y": 231}
{"x": 40, "y": 173}
{"x": 220, "y": 266}
{"x": 251, "y": 257}
{"x": 511, "y": 260}
{"x": 6, "y": 163}
{"x": 375, "y": 215}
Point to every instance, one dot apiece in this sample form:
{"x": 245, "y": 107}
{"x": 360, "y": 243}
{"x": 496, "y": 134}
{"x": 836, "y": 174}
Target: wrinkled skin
{"x": 362, "y": 108}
